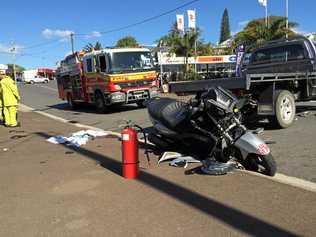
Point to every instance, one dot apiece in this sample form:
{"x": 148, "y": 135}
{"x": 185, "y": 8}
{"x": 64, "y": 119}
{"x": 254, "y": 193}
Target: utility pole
{"x": 195, "y": 55}
{"x": 72, "y": 42}
{"x": 13, "y": 51}
{"x": 287, "y": 17}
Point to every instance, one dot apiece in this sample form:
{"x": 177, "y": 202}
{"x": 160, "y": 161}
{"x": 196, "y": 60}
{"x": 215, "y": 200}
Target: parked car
{"x": 36, "y": 80}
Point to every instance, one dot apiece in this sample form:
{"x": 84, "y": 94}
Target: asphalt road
{"x": 44, "y": 97}
{"x": 294, "y": 151}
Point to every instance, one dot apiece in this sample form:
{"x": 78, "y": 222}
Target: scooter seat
{"x": 168, "y": 111}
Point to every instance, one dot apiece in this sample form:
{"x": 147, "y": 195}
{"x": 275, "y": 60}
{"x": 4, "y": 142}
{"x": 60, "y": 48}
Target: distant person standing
{"x": 10, "y": 100}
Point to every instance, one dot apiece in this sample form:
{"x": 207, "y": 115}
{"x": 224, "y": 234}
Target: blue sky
{"x": 29, "y": 23}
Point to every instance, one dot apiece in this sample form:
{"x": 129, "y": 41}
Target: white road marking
{"x": 289, "y": 180}
{"x": 280, "y": 178}
{"x": 25, "y": 108}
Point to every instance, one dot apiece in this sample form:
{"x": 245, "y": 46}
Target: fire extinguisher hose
{"x": 140, "y": 129}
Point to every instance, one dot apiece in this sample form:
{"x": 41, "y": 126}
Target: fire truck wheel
{"x": 99, "y": 103}
{"x": 71, "y": 102}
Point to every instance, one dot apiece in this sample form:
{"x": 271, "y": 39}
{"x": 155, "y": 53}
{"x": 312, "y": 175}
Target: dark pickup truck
{"x": 278, "y": 74}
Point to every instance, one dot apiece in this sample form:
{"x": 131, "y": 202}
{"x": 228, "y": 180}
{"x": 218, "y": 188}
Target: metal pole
{"x": 14, "y": 71}
{"x": 72, "y": 42}
{"x": 13, "y": 50}
{"x": 161, "y": 68}
{"x": 195, "y": 44}
{"x": 287, "y": 17}
{"x": 266, "y": 8}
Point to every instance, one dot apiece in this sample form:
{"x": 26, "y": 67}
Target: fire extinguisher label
{"x": 125, "y": 137}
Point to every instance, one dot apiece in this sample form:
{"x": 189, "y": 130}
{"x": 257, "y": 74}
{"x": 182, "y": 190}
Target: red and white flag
{"x": 180, "y": 22}
{"x": 191, "y": 19}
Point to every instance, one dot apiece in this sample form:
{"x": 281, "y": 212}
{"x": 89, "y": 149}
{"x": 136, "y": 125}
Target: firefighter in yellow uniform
{"x": 1, "y": 107}
{"x": 10, "y": 100}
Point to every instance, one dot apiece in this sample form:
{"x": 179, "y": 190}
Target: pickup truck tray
{"x": 204, "y": 85}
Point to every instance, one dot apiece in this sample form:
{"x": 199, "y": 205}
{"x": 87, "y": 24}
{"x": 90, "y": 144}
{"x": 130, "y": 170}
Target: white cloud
{"x": 93, "y": 34}
{"x": 62, "y": 34}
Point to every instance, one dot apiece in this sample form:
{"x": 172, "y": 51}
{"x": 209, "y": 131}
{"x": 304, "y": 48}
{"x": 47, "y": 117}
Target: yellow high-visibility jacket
{"x": 10, "y": 93}
{"x": 1, "y": 97}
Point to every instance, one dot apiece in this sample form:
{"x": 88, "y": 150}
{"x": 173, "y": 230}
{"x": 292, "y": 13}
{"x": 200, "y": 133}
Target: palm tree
{"x": 256, "y": 33}
{"x": 90, "y": 47}
{"x": 183, "y": 46}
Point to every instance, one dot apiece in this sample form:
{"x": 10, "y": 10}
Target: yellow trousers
{"x": 10, "y": 115}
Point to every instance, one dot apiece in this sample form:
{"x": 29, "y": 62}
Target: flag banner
{"x": 191, "y": 19}
{"x": 240, "y": 50}
{"x": 180, "y": 23}
{"x": 263, "y": 3}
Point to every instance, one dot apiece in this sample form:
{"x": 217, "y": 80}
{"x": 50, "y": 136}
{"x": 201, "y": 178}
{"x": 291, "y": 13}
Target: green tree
{"x": 204, "y": 49}
{"x": 256, "y": 33}
{"x": 225, "y": 27}
{"x": 127, "y": 42}
{"x": 183, "y": 45}
{"x": 18, "y": 68}
{"x": 90, "y": 47}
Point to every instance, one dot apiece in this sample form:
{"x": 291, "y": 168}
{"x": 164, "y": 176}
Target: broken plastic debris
{"x": 179, "y": 160}
{"x": 183, "y": 161}
{"x": 78, "y": 138}
{"x": 168, "y": 155}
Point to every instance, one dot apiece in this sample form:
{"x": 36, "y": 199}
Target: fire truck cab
{"x": 108, "y": 76}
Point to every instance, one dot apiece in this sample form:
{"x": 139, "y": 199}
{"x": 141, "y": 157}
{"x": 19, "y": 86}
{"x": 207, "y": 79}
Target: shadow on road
{"x": 305, "y": 108}
{"x": 85, "y": 108}
{"x": 233, "y": 217}
{"x": 264, "y": 123}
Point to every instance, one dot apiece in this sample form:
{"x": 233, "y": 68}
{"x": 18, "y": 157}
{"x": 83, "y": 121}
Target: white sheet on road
{"x": 77, "y": 139}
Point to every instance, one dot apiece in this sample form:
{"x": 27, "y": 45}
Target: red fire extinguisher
{"x": 130, "y": 162}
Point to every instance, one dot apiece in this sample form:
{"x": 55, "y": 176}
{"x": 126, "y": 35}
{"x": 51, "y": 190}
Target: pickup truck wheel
{"x": 140, "y": 104}
{"x": 284, "y": 109}
{"x": 100, "y": 103}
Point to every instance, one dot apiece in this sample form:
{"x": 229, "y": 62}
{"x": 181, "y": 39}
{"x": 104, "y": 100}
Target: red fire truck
{"x": 106, "y": 77}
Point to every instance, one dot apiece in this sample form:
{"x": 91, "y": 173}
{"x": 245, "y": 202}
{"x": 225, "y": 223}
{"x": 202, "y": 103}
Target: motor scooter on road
{"x": 209, "y": 127}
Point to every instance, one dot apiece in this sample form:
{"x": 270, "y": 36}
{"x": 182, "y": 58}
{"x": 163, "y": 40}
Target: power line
{"x": 41, "y": 44}
{"x": 112, "y": 30}
{"x": 145, "y": 20}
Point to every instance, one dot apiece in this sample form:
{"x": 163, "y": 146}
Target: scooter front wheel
{"x": 264, "y": 164}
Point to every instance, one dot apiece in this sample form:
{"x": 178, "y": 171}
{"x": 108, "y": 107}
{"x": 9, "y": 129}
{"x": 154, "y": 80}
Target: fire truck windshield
{"x": 131, "y": 62}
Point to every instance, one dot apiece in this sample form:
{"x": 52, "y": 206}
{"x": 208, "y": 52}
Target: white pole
{"x": 195, "y": 70}
{"x": 287, "y": 17}
{"x": 266, "y": 8}
{"x": 161, "y": 68}
{"x": 195, "y": 56}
